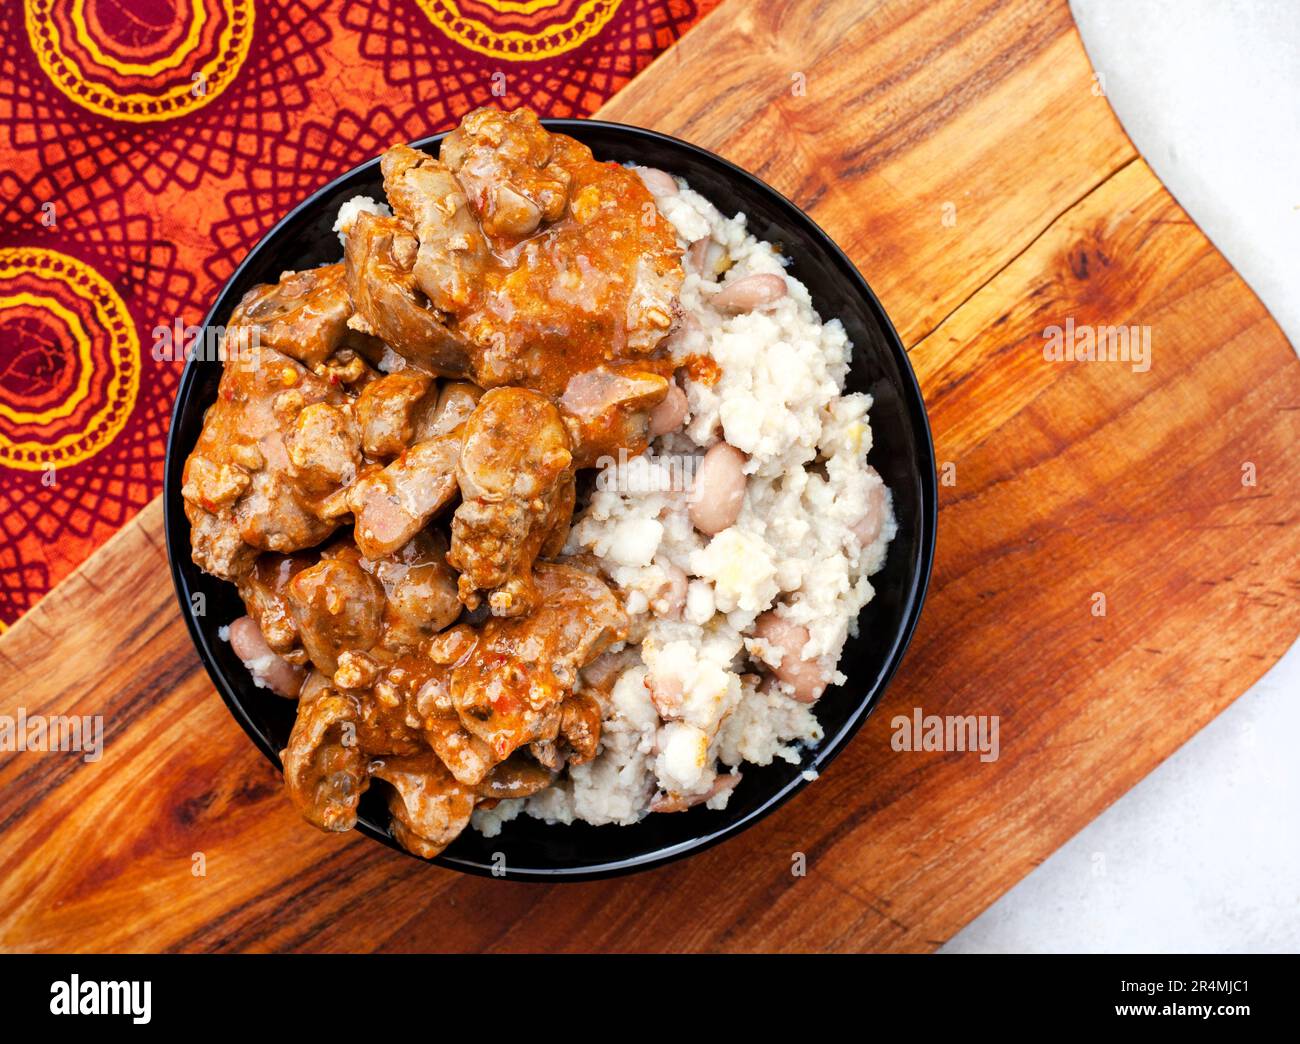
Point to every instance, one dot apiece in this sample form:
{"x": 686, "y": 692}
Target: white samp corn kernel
{"x": 683, "y": 761}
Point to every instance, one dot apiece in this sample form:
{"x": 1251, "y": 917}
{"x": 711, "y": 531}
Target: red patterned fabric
{"x": 147, "y": 144}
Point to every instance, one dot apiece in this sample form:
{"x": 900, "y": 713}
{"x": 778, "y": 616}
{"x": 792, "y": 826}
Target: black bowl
{"x": 903, "y": 454}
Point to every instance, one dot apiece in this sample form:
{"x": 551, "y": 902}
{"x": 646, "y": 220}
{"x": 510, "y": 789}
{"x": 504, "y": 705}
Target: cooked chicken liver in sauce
{"x": 390, "y": 478}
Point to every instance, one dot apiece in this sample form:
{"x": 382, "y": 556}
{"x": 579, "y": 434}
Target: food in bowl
{"x": 547, "y": 499}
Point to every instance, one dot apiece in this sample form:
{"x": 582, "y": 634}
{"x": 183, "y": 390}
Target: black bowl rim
{"x": 826, "y": 751}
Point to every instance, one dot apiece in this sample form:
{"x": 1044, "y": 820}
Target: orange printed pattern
{"x": 145, "y": 145}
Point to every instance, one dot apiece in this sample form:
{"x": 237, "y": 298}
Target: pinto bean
{"x": 805, "y": 676}
{"x": 246, "y": 639}
{"x": 707, "y": 257}
{"x": 688, "y": 336}
{"x": 680, "y": 803}
{"x": 697, "y": 254}
{"x": 266, "y": 666}
{"x": 719, "y": 489}
{"x": 670, "y": 414}
{"x": 666, "y": 693}
{"x": 868, "y": 527}
{"x": 660, "y": 183}
{"x": 670, "y": 599}
{"x": 750, "y": 292}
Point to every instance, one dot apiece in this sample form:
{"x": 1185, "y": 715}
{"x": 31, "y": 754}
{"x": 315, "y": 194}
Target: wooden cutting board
{"x": 962, "y": 155}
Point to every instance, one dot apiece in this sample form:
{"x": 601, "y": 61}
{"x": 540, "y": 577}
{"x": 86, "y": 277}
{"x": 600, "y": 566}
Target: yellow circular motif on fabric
{"x": 187, "y": 46}
{"x": 570, "y": 25}
{"x": 68, "y": 63}
{"x": 87, "y": 364}
{"x": 122, "y": 356}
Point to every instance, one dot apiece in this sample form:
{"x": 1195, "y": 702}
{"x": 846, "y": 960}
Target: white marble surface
{"x": 1204, "y": 854}
{"x": 1209, "y": 92}
{"x": 1201, "y": 856}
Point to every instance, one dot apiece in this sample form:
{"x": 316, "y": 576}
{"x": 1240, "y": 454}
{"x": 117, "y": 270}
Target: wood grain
{"x": 1071, "y": 479}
